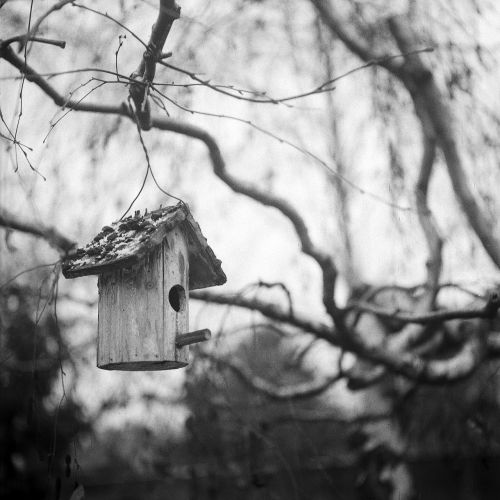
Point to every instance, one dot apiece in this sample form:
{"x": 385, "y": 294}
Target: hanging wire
{"x": 149, "y": 169}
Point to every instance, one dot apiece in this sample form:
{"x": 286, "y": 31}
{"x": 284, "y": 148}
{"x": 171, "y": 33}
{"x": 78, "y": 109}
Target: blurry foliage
{"x": 455, "y": 421}
{"x": 233, "y": 429}
{"x": 37, "y": 429}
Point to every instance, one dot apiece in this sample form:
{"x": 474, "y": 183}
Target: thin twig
{"x": 25, "y": 271}
{"x": 26, "y": 38}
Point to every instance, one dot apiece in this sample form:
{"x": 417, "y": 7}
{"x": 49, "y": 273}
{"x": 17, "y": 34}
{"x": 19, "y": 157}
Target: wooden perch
{"x": 193, "y": 337}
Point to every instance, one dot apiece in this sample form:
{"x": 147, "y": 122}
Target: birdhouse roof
{"x": 127, "y": 241}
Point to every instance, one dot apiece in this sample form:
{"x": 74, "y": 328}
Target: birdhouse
{"x": 146, "y": 266}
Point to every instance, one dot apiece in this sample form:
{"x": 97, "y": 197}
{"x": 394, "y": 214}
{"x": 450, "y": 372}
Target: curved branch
{"x": 333, "y": 20}
{"x": 414, "y": 331}
{"x": 488, "y": 311}
{"x": 411, "y": 334}
{"x": 271, "y": 311}
{"x": 427, "y": 222}
{"x": 431, "y": 108}
{"x": 428, "y": 98}
{"x": 52, "y": 235}
{"x": 32, "y": 76}
{"x": 408, "y": 364}
{"x": 299, "y": 391}
{"x": 459, "y": 366}
{"x": 326, "y": 263}
{"x": 419, "y": 369}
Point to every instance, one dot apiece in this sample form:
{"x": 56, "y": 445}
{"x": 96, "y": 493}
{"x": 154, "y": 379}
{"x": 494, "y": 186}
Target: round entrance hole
{"x": 177, "y": 298}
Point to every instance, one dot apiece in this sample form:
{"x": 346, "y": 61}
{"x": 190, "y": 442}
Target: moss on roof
{"x": 125, "y": 242}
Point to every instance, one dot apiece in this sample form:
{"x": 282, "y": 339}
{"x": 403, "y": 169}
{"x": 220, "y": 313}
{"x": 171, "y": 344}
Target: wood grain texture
{"x": 175, "y": 272}
{"x": 137, "y": 324}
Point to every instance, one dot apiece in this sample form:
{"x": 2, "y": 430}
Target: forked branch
{"x": 430, "y": 105}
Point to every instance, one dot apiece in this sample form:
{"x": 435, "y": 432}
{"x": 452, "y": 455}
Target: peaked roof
{"x": 127, "y": 241}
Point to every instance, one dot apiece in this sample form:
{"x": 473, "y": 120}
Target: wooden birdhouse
{"x": 146, "y": 266}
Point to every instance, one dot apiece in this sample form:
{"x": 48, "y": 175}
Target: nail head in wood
{"x": 193, "y": 337}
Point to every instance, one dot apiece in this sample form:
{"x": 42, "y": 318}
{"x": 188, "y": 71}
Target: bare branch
{"x": 39, "y": 21}
{"x": 32, "y": 76}
{"x": 431, "y": 108}
{"x": 52, "y": 235}
{"x": 459, "y": 366}
{"x": 271, "y": 311}
{"x": 427, "y": 222}
{"x": 264, "y": 98}
{"x": 342, "y": 199}
{"x": 169, "y": 11}
{"x": 333, "y": 20}
{"x": 26, "y": 38}
{"x": 488, "y": 311}
{"x": 283, "y": 287}
{"x": 299, "y": 391}
{"x": 26, "y": 271}
{"x": 412, "y": 366}
{"x": 325, "y": 261}
{"x": 419, "y": 369}
{"x": 434, "y": 111}
{"x": 411, "y": 334}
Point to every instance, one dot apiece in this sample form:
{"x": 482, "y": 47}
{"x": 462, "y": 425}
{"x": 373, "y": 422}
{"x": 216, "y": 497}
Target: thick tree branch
{"x": 412, "y": 334}
{"x": 143, "y": 77}
{"x": 453, "y": 369}
{"x": 431, "y": 107}
{"x": 343, "y": 215}
{"x": 329, "y": 271}
{"x": 408, "y": 364}
{"x": 426, "y": 219}
{"x": 419, "y": 80}
{"x": 339, "y": 27}
{"x": 52, "y": 235}
{"x": 431, "y": 110}
{"x": 39, "y": 21}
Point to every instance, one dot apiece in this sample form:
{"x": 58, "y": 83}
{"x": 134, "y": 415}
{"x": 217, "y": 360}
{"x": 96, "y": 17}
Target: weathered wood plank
{"x": 132, "y": 329}
{"x": 125, "y": 243}
{"x": 176, "y": 274}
